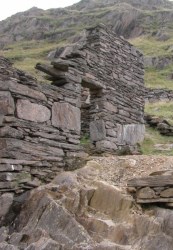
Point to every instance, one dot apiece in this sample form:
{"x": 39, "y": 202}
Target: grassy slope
{"x": 155, "y": 78}
{"x": 152, "y": 138}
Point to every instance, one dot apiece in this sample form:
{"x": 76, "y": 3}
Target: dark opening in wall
{"x": 85, "y": 112}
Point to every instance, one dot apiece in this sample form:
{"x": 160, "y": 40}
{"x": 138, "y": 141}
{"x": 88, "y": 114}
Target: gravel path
{"x": 117, "y": 170}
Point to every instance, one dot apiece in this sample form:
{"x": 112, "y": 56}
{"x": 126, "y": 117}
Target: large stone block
{"x": 24, "y": 90}
{"x": 97, "y": 130}
{"x": 32, "y": 111}
{"x": 110, "y": 107}
{"x": 130, "y": 133}
{"x": 6, "y": 103}
{"x": 66, "y": 116}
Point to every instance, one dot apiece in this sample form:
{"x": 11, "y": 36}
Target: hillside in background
{"x": 29, "y": 36}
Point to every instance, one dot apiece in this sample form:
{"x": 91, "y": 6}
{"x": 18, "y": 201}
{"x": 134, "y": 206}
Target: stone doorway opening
{"x": 91, "y": 107}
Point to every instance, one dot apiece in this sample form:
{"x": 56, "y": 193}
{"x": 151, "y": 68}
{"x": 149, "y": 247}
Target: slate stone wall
{"x": 155, "y": 95}
{"x": 113, "y": 71}
{"x": 119, "y": 107}
{"x": 40, "y": 124}
{"x": 36, "y": 137}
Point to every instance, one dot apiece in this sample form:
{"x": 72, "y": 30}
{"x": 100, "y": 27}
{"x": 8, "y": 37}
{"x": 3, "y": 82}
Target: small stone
{"x": 6, "y": 103}
{"x": 146, "y": 193}
{"x": 131, "y": 190}
{"x": 167, "y": 193}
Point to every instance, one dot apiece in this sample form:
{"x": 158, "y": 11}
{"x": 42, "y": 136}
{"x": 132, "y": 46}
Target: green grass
{"x": 149, "y": 46}
{"x": 25, "y": 55}
{"x": 152, "y": 47}
{"x": 155, "y": 78}
{"x": 85, "y": 140}
{"x": 161, "y": 109}
{"x": 152, "y": 138}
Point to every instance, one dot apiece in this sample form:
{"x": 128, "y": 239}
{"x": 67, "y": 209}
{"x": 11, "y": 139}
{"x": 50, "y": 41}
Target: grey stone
{"x": 6, "y": 246}
{"x": 25, "y": 91}
{"x": 146, "y": 193}
{"x": 6, "y": 103}
{"x": 6, "y": 201}
{"x": 110, "y": 107}
{"x": 44, "y": 244}
{"x": 3, "y": 234}
{"x": 106, "y": 145}
{"x": 131, "y": 133}
{"x": 111, "y": 132}
{"x": 32, "y": 111}
{"x": 10, "y": 132}
{"x": 65, "y": 115}
{"x": 1, "y": 119}
{"x": 97, "y": 130}
{"x": 167, "y": 193}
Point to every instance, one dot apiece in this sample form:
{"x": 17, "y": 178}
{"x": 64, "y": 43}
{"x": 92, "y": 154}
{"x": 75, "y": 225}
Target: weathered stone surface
{"x": 25, "y": 91}
{"x": 20, "y": 150}
{"x": 5, "y": 246}
{"x": 32, "y": 111}
{"x": 111, "y": 132}
{"x": 106, "y": 145}
{"x": 8, "y": 131}
{"x": 3, "y": 234}
{"x": 97, "y": 130}
{"x": 66, "y": 116}
{"x": 157, "y": 242}
{"x": 44, "y": 244}
{"x": 146, "y": 193}
{"x": 110, "y": 107}
{"x": 131, "y": 133}
{"x": 167, "y": 193}
{"x": 109, "y": 200}
{"x": 152, "y": 181}
{"x": 6, "y": 103}
{"x": 6, "y": 201}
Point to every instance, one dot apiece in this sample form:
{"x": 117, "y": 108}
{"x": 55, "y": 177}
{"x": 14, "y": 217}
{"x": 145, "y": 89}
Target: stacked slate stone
{"x": 41, "y": 123}
{"x": 39, "y": 129}
{"x": 156, "y": 188}
{"x": 113, "y": 71}
{"x": 155, "y": 95}
{"x": 162, "y": 125}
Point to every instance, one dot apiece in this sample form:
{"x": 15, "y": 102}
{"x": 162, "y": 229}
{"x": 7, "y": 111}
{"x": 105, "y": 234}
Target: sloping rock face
{"x": 129, "y": 18}
{"x": 79, "y": 211}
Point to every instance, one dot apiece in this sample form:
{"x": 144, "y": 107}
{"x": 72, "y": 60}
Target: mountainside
{"x": 29, "y": 36}
{"x": 129, "y": 18}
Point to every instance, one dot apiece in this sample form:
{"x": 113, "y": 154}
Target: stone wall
{"x": 155, "y": 95}
{"x": 40, "y": 124}
{"x": 36, "y": 138}
{"x": 113, "y": 71}
{"x": 156, "y": 188}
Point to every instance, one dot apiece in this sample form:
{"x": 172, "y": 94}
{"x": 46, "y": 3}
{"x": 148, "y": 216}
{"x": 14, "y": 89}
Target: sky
{"x": 10, "y": 7}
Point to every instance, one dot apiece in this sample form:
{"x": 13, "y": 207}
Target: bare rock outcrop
{"x": 77, "y": 210}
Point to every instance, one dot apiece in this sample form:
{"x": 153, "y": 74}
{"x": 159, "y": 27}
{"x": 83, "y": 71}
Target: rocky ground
{"x": 88, "y": 209}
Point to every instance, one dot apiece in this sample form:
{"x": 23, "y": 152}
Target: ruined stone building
{"x": 40, "y": 124}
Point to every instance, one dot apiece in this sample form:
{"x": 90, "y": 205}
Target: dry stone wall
{"x": 40, "y": 124}
{"x": 155, "y": 95}
{"x": 156, "y": 188}
{"x": 35, "y": 136}
{"x": 113, "y": 71}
